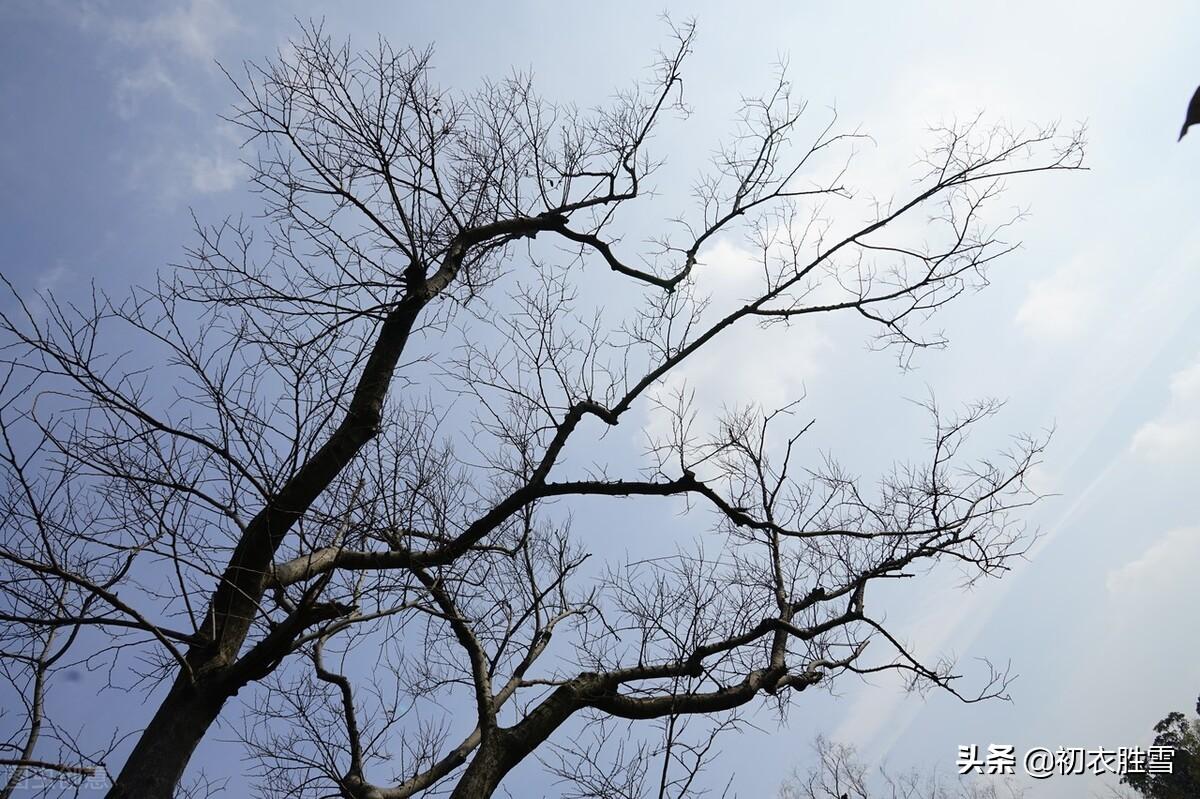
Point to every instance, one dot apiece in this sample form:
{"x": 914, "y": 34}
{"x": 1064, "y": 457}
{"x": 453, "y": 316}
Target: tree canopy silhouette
{"x": 1182, "y": 735}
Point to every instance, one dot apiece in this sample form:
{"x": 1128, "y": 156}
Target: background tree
{"x": 839, "y": 773}
{"x": 1182, "y": 735}
{"x": 337, "y": 478}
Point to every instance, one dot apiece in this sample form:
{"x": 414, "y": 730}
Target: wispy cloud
{"x": 194, "y": 30}
{"x": 1066, "y": 303}
{"x": 134, "y": 86}
{"x": 155, "y": 52}
{"x": 1167, "y": 568}
{"x": 743, "y": 362}
{"x": 215, "y": 173}
{"x": 1175, "y": 433}
{"x": 163, "y": 68}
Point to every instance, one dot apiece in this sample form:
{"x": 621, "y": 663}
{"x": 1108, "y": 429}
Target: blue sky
{"x": 112, "y": 139}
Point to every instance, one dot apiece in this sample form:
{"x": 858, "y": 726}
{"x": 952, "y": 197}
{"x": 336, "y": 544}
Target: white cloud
{"x": 1175, "y": 434}
{"x": 744, "y": 364}
{"x": 1166, "y": 570}
{"x": 1166, "y": 441}
{"x": 194, "y": 30}
{"x": 1064, "y": 304}
{"x": 1185, "y": 384}
{"x": 161, "y": 63}
{"x": 153, "y": 51}
{"x": 216, "y": 173}
{"x": 1043, "y": 480}
{"x": 134, "y": 85}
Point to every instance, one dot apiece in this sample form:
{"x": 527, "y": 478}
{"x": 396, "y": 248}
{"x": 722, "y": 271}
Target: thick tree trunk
{"x": 506, "y": 748}
{"x": 483, "y": 776}
{"x": 163, "y": 750}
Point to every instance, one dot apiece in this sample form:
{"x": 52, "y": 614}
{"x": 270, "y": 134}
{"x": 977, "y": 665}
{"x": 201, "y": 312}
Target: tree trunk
{"x": 483, "y": 776}
{"x": 505, "y": 748}
{"x": 164, "y": 748}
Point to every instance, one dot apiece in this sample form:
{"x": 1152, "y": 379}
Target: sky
{"x": 112, "y": 139}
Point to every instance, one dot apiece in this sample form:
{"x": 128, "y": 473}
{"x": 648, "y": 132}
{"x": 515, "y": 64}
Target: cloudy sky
{"x": 111, "y": 138}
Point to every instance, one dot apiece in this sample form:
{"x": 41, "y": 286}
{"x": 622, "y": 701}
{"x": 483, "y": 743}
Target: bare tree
{"x": 44, "y": 617}
{"x": 338, "y": 475}
{"x": 839, "y": 773}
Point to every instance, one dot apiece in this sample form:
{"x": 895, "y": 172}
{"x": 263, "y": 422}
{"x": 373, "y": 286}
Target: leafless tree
{"x": 44, "y": 617}
{"x": 839, "y": 773}
{"x": 331, "y": 461}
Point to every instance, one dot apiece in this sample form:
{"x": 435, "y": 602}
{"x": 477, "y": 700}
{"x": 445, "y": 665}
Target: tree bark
{"x": 157, "y": 762}
{"x": 483, "y": 776}
{"x": 505, "y": 748}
